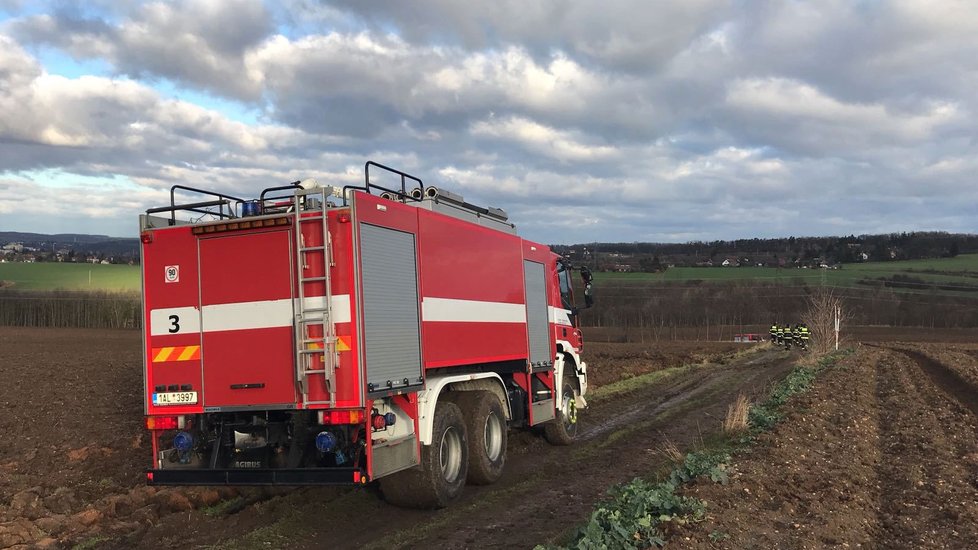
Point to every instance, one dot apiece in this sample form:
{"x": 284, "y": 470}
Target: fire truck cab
{"x": 321, "y": 335}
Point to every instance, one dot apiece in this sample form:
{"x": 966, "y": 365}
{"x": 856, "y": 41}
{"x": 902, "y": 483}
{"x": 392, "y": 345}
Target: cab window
{"x": 563, "y": 277}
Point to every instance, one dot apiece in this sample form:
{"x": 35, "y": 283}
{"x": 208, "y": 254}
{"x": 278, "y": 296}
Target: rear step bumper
{"x": 282, "y": 476}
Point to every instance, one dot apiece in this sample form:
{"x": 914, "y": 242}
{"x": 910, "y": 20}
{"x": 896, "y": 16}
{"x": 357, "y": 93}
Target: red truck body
{"x": 312, "y": 343}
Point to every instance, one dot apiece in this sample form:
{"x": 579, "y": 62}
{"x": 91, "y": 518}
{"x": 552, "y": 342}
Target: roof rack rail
{"x": 221, "y": 201}
{"x": 404, "y": 193}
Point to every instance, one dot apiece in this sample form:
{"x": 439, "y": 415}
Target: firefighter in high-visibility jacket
{"x": 779, "y": 335}
{"x": 774, "y": 332}
{"x": 804, "y": 335}
{"x": 787, "y": 337}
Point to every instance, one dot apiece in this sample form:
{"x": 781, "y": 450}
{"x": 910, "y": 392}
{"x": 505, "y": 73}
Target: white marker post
{"x": 838, "y": 320}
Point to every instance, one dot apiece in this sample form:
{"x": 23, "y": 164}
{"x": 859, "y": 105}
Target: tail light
{"x": 353, "y": 416}
{"x": 162, "y": 422}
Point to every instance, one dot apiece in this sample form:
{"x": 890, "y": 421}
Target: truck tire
{"x": 440, "y": 477}
{"x": 562, "y": 430}
{"x": 485, "y": 424}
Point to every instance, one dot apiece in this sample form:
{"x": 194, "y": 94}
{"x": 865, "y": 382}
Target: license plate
{"x": 175, "y": 398}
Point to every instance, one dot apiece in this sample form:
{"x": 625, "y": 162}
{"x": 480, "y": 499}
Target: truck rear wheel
{"x": 485, "y": 424}
{"x": 440, "y": 477}
{"x": 562, "y": 430}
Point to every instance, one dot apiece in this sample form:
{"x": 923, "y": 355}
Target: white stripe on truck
{"x": 471, "y": 311}
{"x": 247, "y": 315}
{"x": 281, "y": 313}
{"x": 239, "y": 315}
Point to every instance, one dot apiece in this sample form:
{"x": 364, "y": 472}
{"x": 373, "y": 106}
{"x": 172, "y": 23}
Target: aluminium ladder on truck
{"x": 311, "y": 311}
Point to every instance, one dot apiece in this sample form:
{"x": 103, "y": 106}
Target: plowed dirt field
{"x": 883, "y": 453}
{"x": 74, "y": 449}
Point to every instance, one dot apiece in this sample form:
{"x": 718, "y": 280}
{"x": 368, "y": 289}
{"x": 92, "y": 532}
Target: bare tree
{"x": 824, "y": 306}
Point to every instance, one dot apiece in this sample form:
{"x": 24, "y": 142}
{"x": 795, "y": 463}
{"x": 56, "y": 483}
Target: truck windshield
{"x": 566, "y": 291}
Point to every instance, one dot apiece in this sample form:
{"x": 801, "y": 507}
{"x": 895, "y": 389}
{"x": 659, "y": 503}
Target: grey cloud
{"x": 587, "y": 122}
{"x": 194, "y": 42}
{"x": 631, "y": 35}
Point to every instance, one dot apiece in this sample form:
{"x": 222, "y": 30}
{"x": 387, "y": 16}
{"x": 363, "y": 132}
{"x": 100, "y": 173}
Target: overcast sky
{"x": 585, "y": 120}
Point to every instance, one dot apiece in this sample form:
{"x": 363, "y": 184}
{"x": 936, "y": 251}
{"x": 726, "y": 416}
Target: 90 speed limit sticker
{"x": 171, "y": 273}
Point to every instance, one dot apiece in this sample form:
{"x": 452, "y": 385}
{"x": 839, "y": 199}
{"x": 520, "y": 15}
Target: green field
{"x": 69, "y": 276}
{"x": 949, "y": 273}
{"x": 957, "y": 275}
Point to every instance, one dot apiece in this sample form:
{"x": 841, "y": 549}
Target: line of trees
{"x": 656, "y": 306}
{"x": 787, "y": 251}
{"x": 64, "y": 309}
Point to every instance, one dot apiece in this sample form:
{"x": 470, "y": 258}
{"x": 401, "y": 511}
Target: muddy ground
{"x": 882, "y": 454}
{"x": 74, "y": 449}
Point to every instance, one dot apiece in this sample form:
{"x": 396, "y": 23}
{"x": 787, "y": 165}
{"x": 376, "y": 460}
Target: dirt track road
{"x": 73, "y": 453}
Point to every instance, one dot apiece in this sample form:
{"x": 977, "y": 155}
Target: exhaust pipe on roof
{"x": 440, "y": 195}
{"x": 432, "y": 192}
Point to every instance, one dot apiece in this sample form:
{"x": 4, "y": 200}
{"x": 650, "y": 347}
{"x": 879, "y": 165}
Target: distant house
{"x": 730, "y": 263}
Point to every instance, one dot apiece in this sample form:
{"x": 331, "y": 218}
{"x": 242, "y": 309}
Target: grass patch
{"x": 277, "y": 535}
{"x": 628, "y": 385}
{"x": 90, "y": 543}
{"x": 671, "y": 451}
{"x": 736, "y": 420}
{"x": 225, "y": 507}
{"x": 71, "y": 276}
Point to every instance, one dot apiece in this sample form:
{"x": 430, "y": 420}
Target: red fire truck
{"x": 320, "y": 335}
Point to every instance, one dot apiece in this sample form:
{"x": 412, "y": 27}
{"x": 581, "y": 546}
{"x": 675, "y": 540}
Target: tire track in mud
{"x": 673, "y": 394}
{"x": 552, "y": 490}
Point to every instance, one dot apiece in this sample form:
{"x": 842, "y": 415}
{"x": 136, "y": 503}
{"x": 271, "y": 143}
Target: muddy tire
{"x": 485, "y": 424}
{"x": 440, "y": 477}
{"x": 562, "y": 430}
